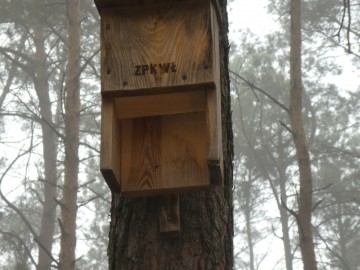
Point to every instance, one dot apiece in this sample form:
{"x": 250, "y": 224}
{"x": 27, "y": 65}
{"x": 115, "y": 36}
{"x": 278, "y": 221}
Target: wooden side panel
{"x": 164, "y": 154}
{"x": 139, "y": 106}
{"x": 110, "y": 145}
{"x": 215, "y": 157}
{"x": 157, "y": 47}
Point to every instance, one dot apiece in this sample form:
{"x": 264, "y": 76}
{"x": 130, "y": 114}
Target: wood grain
{"x": 169, "y": 219}
{"x": 164, "y": 154}
{"x": 101, "y": 4}
{"x": 160, "y": 81}
{"x": 151, "y": 105}
{"x": 110, "y": 145}
{"x": 141, "y": 153}
{"x": 171, "y": 42}
{"x": 215, "y": 156}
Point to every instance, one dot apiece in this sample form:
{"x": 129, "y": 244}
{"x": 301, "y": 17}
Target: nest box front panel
{"x": 158, "y": 47}
{"x": 164, "y": 154}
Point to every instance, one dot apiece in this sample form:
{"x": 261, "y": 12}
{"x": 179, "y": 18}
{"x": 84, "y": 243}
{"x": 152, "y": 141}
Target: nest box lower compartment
{"x": 166, "y": 145}
{"x": 163, "y": 154}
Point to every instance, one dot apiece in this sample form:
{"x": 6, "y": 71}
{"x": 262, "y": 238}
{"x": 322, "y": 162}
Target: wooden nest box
{"x": 161, "y": 100}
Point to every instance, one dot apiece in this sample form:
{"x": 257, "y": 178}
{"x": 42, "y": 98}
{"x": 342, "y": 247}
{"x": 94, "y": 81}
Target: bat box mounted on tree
{"x": 161, "y": 101}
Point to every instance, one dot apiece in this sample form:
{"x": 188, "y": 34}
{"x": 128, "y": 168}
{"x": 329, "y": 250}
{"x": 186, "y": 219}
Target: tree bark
{"x": 205, "y": 239}
{"x": 302, "y": 152}
{"x": 72, "y": 122}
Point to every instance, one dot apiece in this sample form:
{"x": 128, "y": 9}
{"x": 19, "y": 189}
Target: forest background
{"x": 50, "y": 95}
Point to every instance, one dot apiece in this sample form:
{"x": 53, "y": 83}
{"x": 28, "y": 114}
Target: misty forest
{"x": 294, "y": 201}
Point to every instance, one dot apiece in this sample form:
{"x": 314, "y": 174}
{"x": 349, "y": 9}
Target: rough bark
{"x": 49, "y": 150}
{"x": 72, "y": 121}
{"x": 205, "y": 240}
{"x": 302, "y": 152}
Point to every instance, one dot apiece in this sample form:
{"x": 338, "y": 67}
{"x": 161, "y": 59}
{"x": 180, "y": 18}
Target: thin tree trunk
{"x": 284, "y": 215}
{"x": 248, "y": 209}
{"x": 205, "y": 240}
{"x": 72, "y": 121}
{"x": 302, "y": 152}
{"x": 49, "y": 151}
{"x": 284, "y": 218}
{"x": 342, "y": 232}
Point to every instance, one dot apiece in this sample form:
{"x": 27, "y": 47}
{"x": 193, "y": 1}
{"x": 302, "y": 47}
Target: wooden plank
{"x": 101, "y": 4}
{"x": 141, "y": 153}
{"x": 215, "y": 157}
{"x": 164, "y": 154}
{"x": 139, "y": 106}
{"x": 186, "y": 141}
{"x": 158, "y": 47}
{"x": 216, "y": 6}
{"x": 109, "y": 147}
{"x": 169, "y": 219}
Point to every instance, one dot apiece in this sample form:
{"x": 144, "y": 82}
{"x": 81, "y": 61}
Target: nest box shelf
{"x": 161, "y": 101}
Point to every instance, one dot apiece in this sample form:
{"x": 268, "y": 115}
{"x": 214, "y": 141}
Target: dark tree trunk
{"x": 206, "y": 237}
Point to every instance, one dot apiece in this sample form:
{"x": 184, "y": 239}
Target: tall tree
{"x": 205, "y": 240}
{"x": 265, "y": 148}
{"x": 34, "y": 63}
{"x": 50, "y": 143}
{"x": 303, "y": 217}
{"x": 72, "y": 126}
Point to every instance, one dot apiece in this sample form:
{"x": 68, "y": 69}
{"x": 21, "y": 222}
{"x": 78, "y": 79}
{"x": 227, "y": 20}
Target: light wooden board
{"x": 163, "y": 154}
{"x": 158, "y": 47}
{"x": 151, "y": 105}
{"x": 215, "y": 157}
{"x": 110, "y": 145}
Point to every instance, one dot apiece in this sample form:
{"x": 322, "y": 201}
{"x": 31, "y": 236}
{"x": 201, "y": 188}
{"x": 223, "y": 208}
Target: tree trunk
{"x": 302, "y": 153}
{"x": 46, "y": 235}
{"x": 284, "y": 215}
{"x": 205, "y": 240}
{"x": 248, "y": 222}
{"x": 284, "y": 218}
{"x": 72, "y": 121}
{"x": 342, "y": 235}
